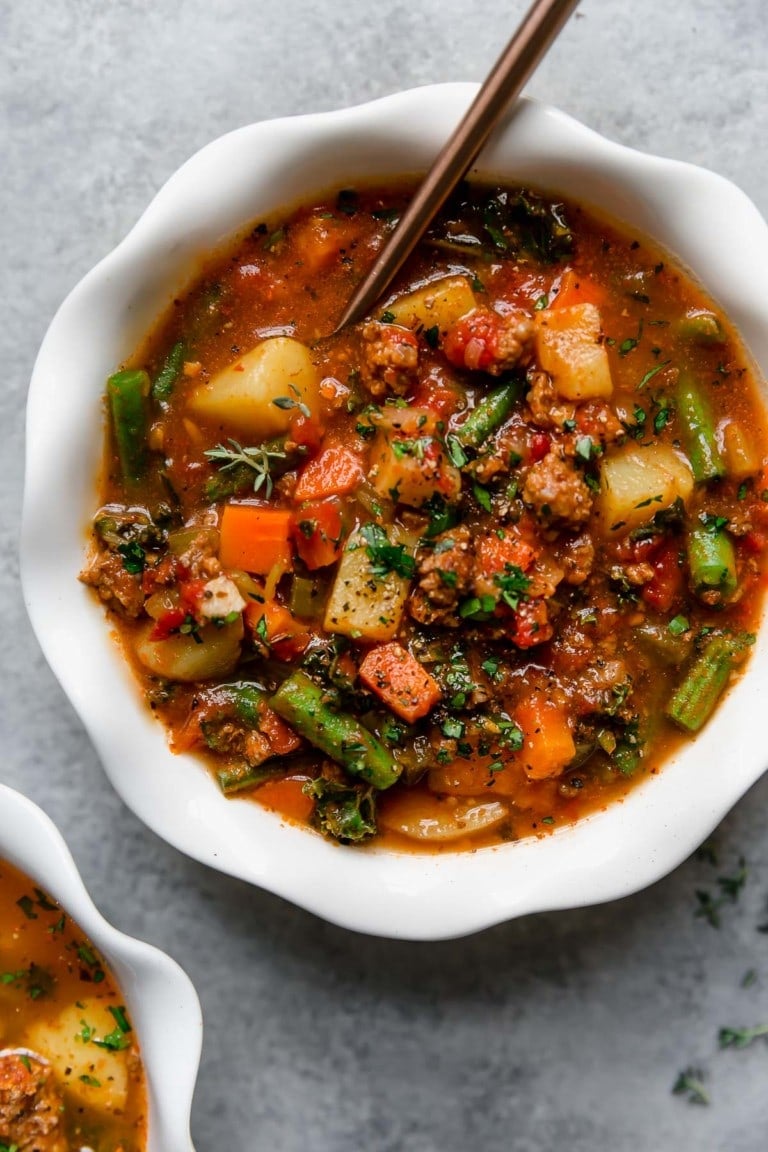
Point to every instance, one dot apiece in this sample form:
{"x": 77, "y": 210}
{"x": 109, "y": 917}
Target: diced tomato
{"x": 191, "y": 592}
{"x": 473, "y": 340}
{"x": 438, "y": 396}
{"x": 317, "y": 532}
{"x": 754, "y": 542}
{"x": 168, "y": 623}
{"x": 531, "y": 624}
{"x": 540, "y": 445}
{"x": 307, "y": 432}
{"x": 667, "y": 583}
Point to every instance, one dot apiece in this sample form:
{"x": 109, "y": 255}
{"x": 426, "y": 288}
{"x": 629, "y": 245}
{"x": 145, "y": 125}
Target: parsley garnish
{"x": 690, "y": 1083}
{"x": 133, "y": 557}
{"x": 741, "y": 1037}
{"x": 386, "y": 557}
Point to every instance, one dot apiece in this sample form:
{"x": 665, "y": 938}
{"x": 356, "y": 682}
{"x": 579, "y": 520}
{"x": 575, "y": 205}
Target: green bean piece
{"x": 338, "y": 734}
{"x": 659, "y": 641}
{"x": 712, "y": 560}
{"x": 695, "y": 698}
{"x": 489, "y": 414}
{"x": 234, "y": 778}
{"x": 165, "y": 381}
{"x": 701, "y": 328}
{"x": 128, "y": 394}
{"x": 698, "y": 429}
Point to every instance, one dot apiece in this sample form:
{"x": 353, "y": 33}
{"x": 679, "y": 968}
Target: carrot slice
{"x": 577, "y": 289}
{"x": 548, "y": 744}
{"x": 399, "y": 680}
{"x": 336, "y": 471}
{"x": 255, "y": 539}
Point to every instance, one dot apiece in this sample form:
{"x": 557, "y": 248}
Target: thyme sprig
{"x": 258, "y": 458}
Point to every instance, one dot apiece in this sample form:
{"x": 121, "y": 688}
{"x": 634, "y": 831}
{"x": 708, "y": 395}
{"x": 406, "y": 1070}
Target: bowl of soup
{"x": 455, "y": 614}
{"x": 101, "y": 1033}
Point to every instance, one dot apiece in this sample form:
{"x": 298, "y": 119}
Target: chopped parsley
{"x": 386, "y": 557}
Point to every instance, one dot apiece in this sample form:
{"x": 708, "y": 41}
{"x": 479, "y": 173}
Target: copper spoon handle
{"x": 533, "y": 37}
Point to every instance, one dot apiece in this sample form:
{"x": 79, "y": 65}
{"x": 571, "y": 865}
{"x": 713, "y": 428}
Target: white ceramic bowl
{"x": 255, "y": 172}
{"x": 161, "y": 1001}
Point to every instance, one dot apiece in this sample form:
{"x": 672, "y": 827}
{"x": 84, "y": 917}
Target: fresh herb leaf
{"x": 287, "y": 402}
{"x": 259, "y": 459}
{"x": 741, "y": 1037}
{"x": 133, "y": 557}
{"x": 690, "y": 1084}
{"x": 386, "y": 557}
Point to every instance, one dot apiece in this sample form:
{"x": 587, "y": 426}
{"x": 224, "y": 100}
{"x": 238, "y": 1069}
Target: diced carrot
{"x": 287, "y": 797}
{"x": 271, "y": 624}
{"x": 400, "y": 681}
{"x": 492, "y": 555}
{"x": 334, "y": 472}
{"x": 317, "y": 532}
{"x": 548, "y": 744}
{"x": 577, "y": 289}
{"x": 255, "y": 539}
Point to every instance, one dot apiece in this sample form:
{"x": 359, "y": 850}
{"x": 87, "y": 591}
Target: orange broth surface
{"x": 70, "y": 1069}
{"x": 483, "y": 561}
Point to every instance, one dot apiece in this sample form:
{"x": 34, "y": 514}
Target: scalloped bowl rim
{"x": 274, "y": 164}
{"x": 161, "y": 1000}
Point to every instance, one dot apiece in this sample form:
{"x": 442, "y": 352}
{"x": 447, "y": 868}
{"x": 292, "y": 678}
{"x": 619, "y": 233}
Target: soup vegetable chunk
{"x": 70, "y": 1072}
{"x": 460, "y": 573}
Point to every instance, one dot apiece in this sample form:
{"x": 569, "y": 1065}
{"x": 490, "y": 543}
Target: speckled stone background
{"x": 561, "y": 1031}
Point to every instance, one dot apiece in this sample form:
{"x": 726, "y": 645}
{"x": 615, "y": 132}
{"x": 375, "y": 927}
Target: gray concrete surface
{"x": 558, "y": 1032}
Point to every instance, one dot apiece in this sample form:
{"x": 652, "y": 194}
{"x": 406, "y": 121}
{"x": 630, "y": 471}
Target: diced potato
{"x": 441, "y": 303}
{"x": 183, "y": 658}
{"x": 639, "y": 481}
{"x": 569, "y": 348}
{"x": 429, "y": 818}
{"x": 96, "y": 1077}
{"x": 362, "y": 605}
{"x": 243, "y": 396}
{"x": 410, "y": 471}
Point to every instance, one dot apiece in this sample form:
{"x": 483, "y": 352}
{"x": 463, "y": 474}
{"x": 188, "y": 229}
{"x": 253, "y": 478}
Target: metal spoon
{"x": 538, "y": 29}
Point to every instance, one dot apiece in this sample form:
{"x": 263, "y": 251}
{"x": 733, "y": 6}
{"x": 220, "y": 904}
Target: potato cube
{"x": 259, "y": 393}
{"x": 364, "y": 605}
{"x": 569, "y": 347}
{"x": 441, "y": 303}
{"x": 639, "y": 481}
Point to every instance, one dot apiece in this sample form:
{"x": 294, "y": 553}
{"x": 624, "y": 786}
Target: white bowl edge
{"x": 161, "y": 1000}
{"x": 419, "y": 897}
